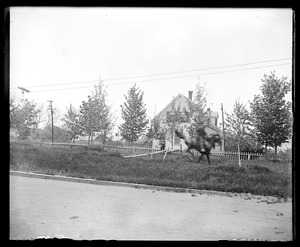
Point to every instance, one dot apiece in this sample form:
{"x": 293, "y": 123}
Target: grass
{"x": 255, "y": 176}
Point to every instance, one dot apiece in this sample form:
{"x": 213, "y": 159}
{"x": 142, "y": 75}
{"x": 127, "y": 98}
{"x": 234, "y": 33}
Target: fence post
{"x": 165, "y": 154}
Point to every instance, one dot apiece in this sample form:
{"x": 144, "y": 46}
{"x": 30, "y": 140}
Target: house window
{"x": 182, "y": 118}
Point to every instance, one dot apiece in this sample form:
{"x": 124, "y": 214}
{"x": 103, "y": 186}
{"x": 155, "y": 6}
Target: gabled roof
{"x": 213, "y": 114}
{"x": 174, "y": 100}
{"x": 215, "y": 128}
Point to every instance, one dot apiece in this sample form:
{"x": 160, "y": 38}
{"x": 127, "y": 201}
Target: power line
{"x": 59, "y": 84}
{"x": 211, "y": 73}
{"x": 159, "y": 74}
{"x": 165, "y": 78}
{"x": 208, "y": 68}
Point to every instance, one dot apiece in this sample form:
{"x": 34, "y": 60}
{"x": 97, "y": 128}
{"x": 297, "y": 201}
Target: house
{"x": 183, "y": 102}
{"x": 85, "y": 138}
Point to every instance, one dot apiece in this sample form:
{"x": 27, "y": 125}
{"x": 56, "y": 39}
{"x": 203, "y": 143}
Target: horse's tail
{"x": 180, "y": 135}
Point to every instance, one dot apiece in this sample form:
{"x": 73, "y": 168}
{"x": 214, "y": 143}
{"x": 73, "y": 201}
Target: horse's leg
{"x": 207, "y": 155}
{"x": 200, "y": 157}
{"x": 190, "y": 153}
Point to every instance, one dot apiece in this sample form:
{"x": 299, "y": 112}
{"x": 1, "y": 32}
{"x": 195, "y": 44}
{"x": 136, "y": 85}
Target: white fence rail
{"x": 54, "y": 144}
{"x": 146, "y": 151}
{"x": 249, "y": 156}
{"x": 133, "y": 149}
{"x": 252, "y": 156}
{"x": 235, "y": 155}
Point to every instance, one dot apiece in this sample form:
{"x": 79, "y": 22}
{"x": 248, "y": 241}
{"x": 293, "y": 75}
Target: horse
{"x": 194, "y": 143}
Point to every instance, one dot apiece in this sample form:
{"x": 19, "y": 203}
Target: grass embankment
{"x": 256, "y": 177}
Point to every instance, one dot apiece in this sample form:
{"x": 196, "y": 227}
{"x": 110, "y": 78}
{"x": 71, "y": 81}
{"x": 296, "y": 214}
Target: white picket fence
{"x": 248, "y": 156}
{"x": 252, "y": 156}
{"x": 235, "y": 155}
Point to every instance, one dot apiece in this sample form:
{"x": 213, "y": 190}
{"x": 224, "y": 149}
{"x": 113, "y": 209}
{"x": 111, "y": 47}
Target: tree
{"x": 41, "y": 116}
{"x": 13, "y": 107}
{"x": 45, "y": 134}
{"x": 238, "y": 128}
{"x": 88, "y": 117}
{"x": 134, "y": 115}
{"x": 271, "y": 113}
{"x": 157, "y": 132}
{"x": 173, "y": 121}
{"x": 95, "y": 113}
{"x": 23, "y": 117}
{"x": 197, "y": 113}
{"x": 107, "y": 131}
{"x": 71, "y": 121}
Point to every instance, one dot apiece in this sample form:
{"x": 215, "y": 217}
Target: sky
{"x": 60, "y": 53}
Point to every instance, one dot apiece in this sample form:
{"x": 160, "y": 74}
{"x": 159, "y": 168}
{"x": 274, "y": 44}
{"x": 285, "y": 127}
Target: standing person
{"x": 202, "y": 134}
{"x": 162, "y": 144}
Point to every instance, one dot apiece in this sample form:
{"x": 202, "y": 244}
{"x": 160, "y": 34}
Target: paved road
{"x": 51, "y": 208}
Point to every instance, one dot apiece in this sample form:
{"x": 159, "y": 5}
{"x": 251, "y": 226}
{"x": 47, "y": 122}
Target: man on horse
{"x": 201, "y": 134}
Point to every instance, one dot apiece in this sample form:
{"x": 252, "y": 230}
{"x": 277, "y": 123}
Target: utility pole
{"x": 52, "y": 136}
{"x": 24, "y": 90}
{"x": 223, "y": 125}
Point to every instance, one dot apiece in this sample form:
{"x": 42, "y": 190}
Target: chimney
{"x": 191, "y": 95}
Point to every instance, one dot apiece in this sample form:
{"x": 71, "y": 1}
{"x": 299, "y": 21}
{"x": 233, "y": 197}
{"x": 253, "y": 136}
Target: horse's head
{"x": 213, "y": 139}
{"x": 216, "y": 138}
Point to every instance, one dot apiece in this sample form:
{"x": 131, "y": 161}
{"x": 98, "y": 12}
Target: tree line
{"x": 268, "y": 123}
